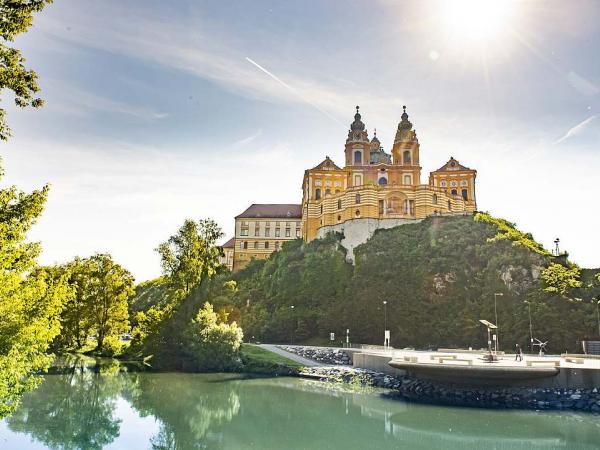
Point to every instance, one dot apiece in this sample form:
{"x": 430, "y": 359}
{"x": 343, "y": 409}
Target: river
{"x": 102, "y": 407}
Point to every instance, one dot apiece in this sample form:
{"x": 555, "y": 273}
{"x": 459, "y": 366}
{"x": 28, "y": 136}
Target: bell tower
{"x": 405, "y": 152}
{"x": 357, "y": 144}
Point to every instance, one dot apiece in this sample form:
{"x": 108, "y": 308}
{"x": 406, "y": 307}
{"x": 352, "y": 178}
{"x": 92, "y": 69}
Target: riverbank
{"x": 424, "y": 391}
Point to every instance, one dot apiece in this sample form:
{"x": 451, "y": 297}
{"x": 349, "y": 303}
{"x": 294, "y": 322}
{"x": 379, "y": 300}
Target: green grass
{"x": 259, "y": 357}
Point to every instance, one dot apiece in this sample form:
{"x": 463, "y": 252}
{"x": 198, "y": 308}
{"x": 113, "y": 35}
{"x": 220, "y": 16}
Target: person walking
{"x": 518, "y": 353}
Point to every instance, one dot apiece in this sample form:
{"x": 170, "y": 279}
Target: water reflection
{"x": 75, "y": 410}
{"x": 93, "y": 404}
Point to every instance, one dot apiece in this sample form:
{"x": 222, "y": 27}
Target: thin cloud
{"x": 74, "y": 101}
{"x": 577, "y": 129}
{"x": 247, "y": 140}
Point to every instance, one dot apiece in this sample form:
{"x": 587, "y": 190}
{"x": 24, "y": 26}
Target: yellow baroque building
{"x": 376, "y": 190}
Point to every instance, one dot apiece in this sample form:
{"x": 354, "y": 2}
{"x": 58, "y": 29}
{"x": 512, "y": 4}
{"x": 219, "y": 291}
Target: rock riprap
{"x": 322, "y": 355}
{"x": 426, "y": 391}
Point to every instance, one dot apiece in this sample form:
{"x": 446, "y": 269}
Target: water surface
{"x": 101, "y": 407}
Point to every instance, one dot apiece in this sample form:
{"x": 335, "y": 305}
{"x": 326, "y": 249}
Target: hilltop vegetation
{"x": 438, "y": 278}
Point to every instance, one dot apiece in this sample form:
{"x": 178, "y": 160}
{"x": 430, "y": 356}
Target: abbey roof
{"x": 229, "y": 244}
{"x": 451, "y": 165}
{"x": 274, "y": 211}
{"x": 326, "y": 164}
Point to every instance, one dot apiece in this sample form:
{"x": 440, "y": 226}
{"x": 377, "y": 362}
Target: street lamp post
{"x": 385, "y": 338}
{"x": 293, "y": 325}
{"x": 598, "y": 314}
{"x": 496, "y": 294}
{"x": 530, "y": 327}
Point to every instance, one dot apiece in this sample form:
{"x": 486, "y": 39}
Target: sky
{"x": 160, "y": 111}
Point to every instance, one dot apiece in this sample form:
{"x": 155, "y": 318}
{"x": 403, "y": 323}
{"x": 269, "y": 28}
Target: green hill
{"x": 438, "y": 278}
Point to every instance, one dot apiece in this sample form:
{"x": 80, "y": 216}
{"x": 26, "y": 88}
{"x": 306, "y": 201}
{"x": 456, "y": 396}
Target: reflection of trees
{"x": 73, "y": 410}
{"x": 187, "y": 406}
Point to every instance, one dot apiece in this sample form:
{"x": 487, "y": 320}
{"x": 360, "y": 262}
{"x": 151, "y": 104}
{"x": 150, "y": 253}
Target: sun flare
{"x": 481, "y": 20}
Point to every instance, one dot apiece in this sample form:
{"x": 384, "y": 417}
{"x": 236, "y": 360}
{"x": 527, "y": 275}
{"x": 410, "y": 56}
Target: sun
{"x": 477, "y": 20}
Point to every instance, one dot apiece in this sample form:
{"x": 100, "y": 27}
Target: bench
{"x": 411, "y": 359}
{"x": 442, "y": 356}
{"x": 531, "y": 362}
{"x": 570, "y": 359}
{"x": 453, "y": 358}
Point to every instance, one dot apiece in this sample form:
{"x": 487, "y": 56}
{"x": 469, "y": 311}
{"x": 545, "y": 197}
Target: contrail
{"x": 576, "y": 129}
{"x": 293, "y": 91}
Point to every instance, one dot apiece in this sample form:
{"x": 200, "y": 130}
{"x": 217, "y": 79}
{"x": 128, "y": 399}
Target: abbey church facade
{"x": 372, "y": 190}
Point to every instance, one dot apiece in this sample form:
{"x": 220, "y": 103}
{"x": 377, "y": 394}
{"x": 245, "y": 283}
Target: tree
{"x": 111, "y": 287}
{"x": 191, "y": 254}
{"x": 75, "y": 318}
{"x": 31, "y": 298}
{"x": 212, "y": 343}
{"x": 559, "y": 279}
{"x": 16, "y": 16}
{"x": 99, "y": 304}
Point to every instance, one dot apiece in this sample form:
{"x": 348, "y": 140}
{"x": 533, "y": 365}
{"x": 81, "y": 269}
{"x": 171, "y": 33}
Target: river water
{"x": 103, "y": 407}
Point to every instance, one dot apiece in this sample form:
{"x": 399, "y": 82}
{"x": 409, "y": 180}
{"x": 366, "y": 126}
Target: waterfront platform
{"x": 469, "y": 367}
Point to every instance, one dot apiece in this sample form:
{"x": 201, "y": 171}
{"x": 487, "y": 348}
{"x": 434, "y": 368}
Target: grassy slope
{"x": 259, "y": 356}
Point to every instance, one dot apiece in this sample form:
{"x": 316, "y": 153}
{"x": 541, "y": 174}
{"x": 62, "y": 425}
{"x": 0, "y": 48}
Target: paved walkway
{"x": 290, "y": 355}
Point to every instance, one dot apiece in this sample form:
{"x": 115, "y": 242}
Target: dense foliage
{"x": 31, "y": 298}
{"x": 176, "y": 332}
{"x": 438, "y": 277}
{"x": 98, "y": 307}
{"x": 16, "y": 16}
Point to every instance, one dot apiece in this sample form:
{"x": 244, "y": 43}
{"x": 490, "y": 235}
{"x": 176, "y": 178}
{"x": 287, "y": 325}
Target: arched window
{"x": 245, "y": 245}
{"x": 357, "y": 199}
{"x": 453, "y": 192}
{"x": 465, "y": 194}
{"x": 406, "y": 157}
{"x": 317, "y": 194}
{"x": 267, "y": 244}
{"x": 357, "y": 157}
{"x": 434, "y": 199}
{"x": 340, "y": 204}
{"x": 382, "y": 181}
{"x": 449, "y": 206}
{"x": 327, "y": 191}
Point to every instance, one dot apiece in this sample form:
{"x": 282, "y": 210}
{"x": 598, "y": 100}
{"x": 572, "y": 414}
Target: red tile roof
{"x": 274, "y": 211}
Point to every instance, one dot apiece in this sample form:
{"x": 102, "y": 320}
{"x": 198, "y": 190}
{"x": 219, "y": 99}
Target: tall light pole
{"x": 556, "y": 249}
{"x": 496, "y": 294}
{"x": 385, "y": 340}
{"x": 293, "y": 325}
{"x": 530, "y": 327}
{"x": 598, "y": 314}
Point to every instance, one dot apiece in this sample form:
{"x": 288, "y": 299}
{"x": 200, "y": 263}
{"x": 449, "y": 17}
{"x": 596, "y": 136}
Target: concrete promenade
{"x": 456, "y": 365}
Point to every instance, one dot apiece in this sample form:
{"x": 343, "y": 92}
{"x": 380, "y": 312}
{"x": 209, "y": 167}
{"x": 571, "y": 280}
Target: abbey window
{"x": 357, "y": 157}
